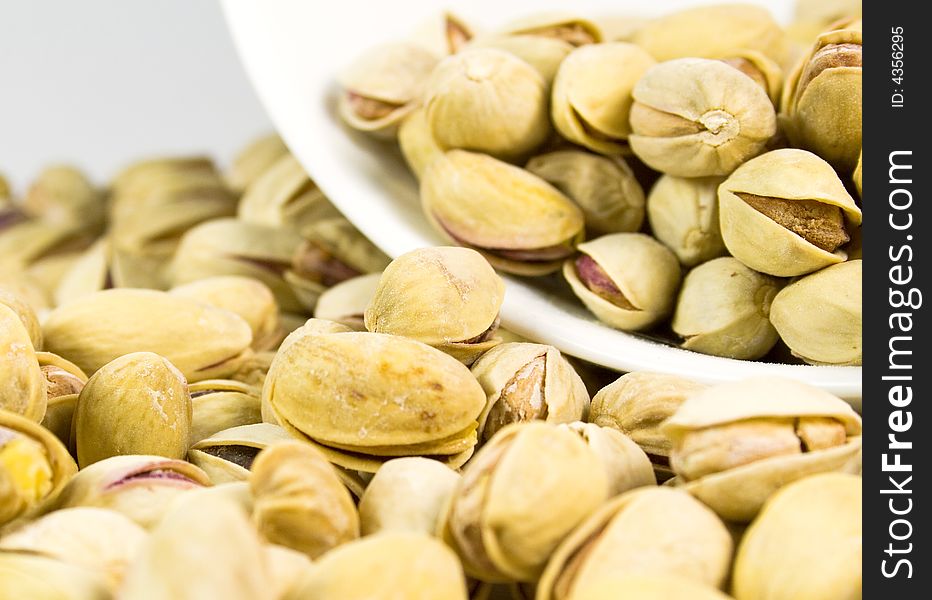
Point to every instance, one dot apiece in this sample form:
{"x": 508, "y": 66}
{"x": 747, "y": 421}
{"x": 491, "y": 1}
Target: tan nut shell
{"x": 417, "y": 144}
{"x": 284, "y": 196}
{"x": 23, "y": 244}
{"x": 652, "y": 530}
{"x": 543, "y": 53}
{"x": 346, "y": 302}
{"x": 63, "y": 194}
{"x": 544, "y": 24}
{"x": 819, "y": 316}
{"x": 592, "y": 94}
{"x": 760, "y": 242}
{"x": 202, "y": 341}
{"x": 31, "y": 576}
{"x": 683, "y": 214}
{"x": 645, "y": 587}
{"x": 732, "y": 114}
{"x": 443, "y": 33}
{"x": 254, "y": 159}
{"x": 286, "y": 567}
{"x": 805, "y": 543}
{"x": 220, "y": 404}
{"x": 22, "y": 384}
{"x": 856, "y": 177}
{"x": 89, "y": 273}
{"x": 26, "y": 313}
{"x": 257, "y": 435}
{"x": 643, "y": 269}
{"x": 766, "y": 72}
{"x": 626, "y": 465}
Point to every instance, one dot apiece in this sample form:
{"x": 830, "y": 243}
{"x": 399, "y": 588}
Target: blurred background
{"x": 100, "y": 83}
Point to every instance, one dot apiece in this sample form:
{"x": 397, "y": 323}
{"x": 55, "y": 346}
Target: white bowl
{"x": 293, "y": 50}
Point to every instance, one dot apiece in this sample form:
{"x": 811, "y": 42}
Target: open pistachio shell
{"x": 525, "y": 382}
{"x": 724, "y": 309}
{"x": 564, "y": 26}
{"x": 518, "y": 221}
{"x": 856, "y": 177}
{"x": 487, "y": 100}
{"x": 761, "y": 68}
{"x": 59, "y": 417}
{"x": 541, "y": 52}
{"x": 510, "y": 509}
{"x": 628, "y": 280}
{"x": 346, "y": 302}
{"x": 735, "y": 444}
{"x": 626, "y": 465}
{"x": 819, "y": 316}
{"x": 26, "y": 313}
{"x": 446, "y": 297}
{"x": 384, "y": 85}
{"x": 63, "y": 194}
{"x": 220, "y": 404}
{"x": 97, "y": 328}
{"x": 786, "y": 213}
{"x": 254, "y": 160}
{"x": 683, "y": 214}
{"x": 592, "y": 91}
{"x": 605, "y": 189}
{"x": 24, "y": 243}
{"x": 32, "y": 576}
{"x": 443, "y": 33}
{"x": 228, "y": 455}
{"x": 696, "y": 117}
{"x": 416, "y": 142}
{"x": 22, "y": 384}
{"x": 300, "y": 501}
{"x": 284, "y": 196}
{"x": 645, "y": 587}
{"x": 805, "y": 543}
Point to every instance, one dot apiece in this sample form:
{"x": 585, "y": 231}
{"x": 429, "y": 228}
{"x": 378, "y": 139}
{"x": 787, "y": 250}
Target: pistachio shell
{"x": 97, "y": 328}
{"x": 24, "y": 243}
{"x": 683, "y": 214}
{"x": 791, "y": 176}
{"x": 417, "y": 144}
{"x": 645, "y": 587}
{"x": 90, "y": 273}
{"x": 592, "y": 94}
{"x": 29, "y": 576}
{"x": 346, "y": 302}
{"x": 49, "y": 271}
{"x": 220, "y": 404}
{"x": 625, "y": 464}
{"x": 856, "y": 177}
{"x": 541, "y": 52}
{"x": 228, "y": 455}
{"x": 443, "y": 33}
{"x": 63, "y": 194}
{"x": 254, "y": 160}
{"x": 22, "y": 385}
{"x": 819, "y": 316}
{"x": 59, "y": 417}
{"x": 761, "y": 68}
{"x": 26, "y": 313}
{"x": 286, "y": 567}
{"x": 284, "y": 196}
{"x": 561, "y": 25}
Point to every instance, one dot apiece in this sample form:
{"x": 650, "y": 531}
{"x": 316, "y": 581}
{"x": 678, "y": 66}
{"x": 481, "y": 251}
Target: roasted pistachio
{"x": 25, "y": 243}
{"x": 22, "y": 384}
{"x": 219, "y": 404}
{"x": 63, "y": 194}
{"x": 416, "y": 142}
{"x": 544, "y": 53}
{"x": 625, "y": 464}
{"x": 759, "y": 67}
{"x": 628, "y": 280}
{"x": 786, "y": 213}
{"x": 346, "y": 302}
{"x": 518, "y": 221}
{"x": 228, "y": 455}
{"x": 564, "y": 26}
{"x": 254, "y": 160}
{"x": 64, "y": 381}
{"x": 31, "y": 576}
{"x": 26, "y": 313}
{"x": 284, "y": 196}
{"x": 683, "y": 214}
{"x": 444, "y": 33}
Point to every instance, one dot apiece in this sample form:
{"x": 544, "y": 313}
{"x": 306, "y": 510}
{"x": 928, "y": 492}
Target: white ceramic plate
{"x": 293, "y": 50}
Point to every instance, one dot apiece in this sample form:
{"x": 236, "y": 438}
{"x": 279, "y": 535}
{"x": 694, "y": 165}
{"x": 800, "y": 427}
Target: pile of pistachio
{"x": 694, "y": 175}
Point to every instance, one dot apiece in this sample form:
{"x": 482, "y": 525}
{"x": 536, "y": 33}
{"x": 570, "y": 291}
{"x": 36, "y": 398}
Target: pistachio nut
{"x": 228, "y": 455}
{"x": 819, "y": 315}
{"x": 592, "y": 92}
{"x": 735, "y": 444}
{"x": 26, "y": 313}
{"x": 446, "y": 297}
{"x": 724, "y": 309}
{"x": 201, "y": 530}
{"x": 761, "y": 68}
{"x": 286, "y": 567}
{"x": 444, "y": 33}
{"x": 33, "y": 576}
{"x": 49, "y": 271}
{"x": 254, "y": 160}
{"x": 144, "y": 174}
{"x": 696, "y": 117}
{"x": 284, "y": 196}
{"x": 63, "y": 194}
{"x": 525, "y": 382}
{"x": 202, "y": 341}
{"x": 24, "y": 285}
{"x": 856, "y": 176}
{"x": 25, "y": 243}
{"x": 300, "y": 501}
{"x": 606, "y": 190}
{"x": 140, "y": 487}
{"x": 825, "y": 12}
{"x": 627, "y": 280}
{"x": 564, "y": 26}
{"x": 34, "y": 465}
{"x": 91, "y": 272}
{"x": 821, "y": 106}
{"x": 64, "y": 381}
{"x": 645, "y": 587}
{"x": 510, "y": 509}
{"x": 518, "y": 221}
{"x": 22, "y": 384}
{"x": 249, "y": 298}
{"x": 406, "y": 494}
{"x": 219, "y": 404}
{"x": 363, "y": 397}
{"x": 413, "y": 566}
{"x": 487, "y": 100}
{"x": 683, "y": 214}
{"x": 626, "y": 465}
{"x": 346, "y": 302}
{"x": 647, "y": 531}
{"x": 384, "y": 85}
{"x": 416, "y": 142}
{"x": 786, "y": 213}
{"x": 544, "y": 53}
{"x": 254, "y": 366}
{"x": 806, "y": 541}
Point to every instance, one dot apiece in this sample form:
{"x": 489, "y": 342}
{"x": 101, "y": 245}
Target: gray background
{"x": 99, "y": 83}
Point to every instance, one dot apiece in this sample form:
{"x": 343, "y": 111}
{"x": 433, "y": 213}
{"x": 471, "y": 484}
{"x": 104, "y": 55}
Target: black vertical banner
{"x": 896, "y": 234}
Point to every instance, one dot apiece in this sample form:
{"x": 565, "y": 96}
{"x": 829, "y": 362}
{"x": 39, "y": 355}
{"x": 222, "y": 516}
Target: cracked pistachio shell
{"x": 255, "y": 365}
{"x": 413, "y": 566}
{"x": 23, "y": 309}
{"x": 541, "y": 52}
{"x": 64, "y": 381}
{"x": 564, "y": 26}
{"x": 254, "y": 160}
{"x": 417, "y": 144}
{"x": 525, "y": 382}
{"x": 383, "y": 85}
{"x": 443, "y": 33}
{"x": 819, "y": 316}
{"x": 683, "y": 214}
{"x": 826, "y": 12}
{"x": 805, "y": 543}
{"x": 142, "y": 175}
{"x": 806, "y": 204}
{"x": 724, "y": 309}
{"x": 235, "y": 247}
{"x": 140, "y": 487}
{"x": 645, "y": 587}
{"x": 856, "y": 177}
{"x": 647, "y": 531}
{"x": 346, "y": 302}
{"x": 606, "y": 190}
{"x": 821, "y": 106}
{"x": 249, "y": 298}
{"x": 43, "y": 578}
{"x": 284, "y": 196}
{"x": 25, "y": 243}
{"x": 406, "y": 494}
{"x": 761, "y": 68}
{"x": 626, "y": 465}
{"x": 445, "y": 297}
{"x": 300, "y": 501}
{"x": 135, "y": 404}
{"x": 201, "y": 532}
{"x": 203, "y": 342}
{"x": 592, "y": 91}
{"x": 511, "y": 510}
{"x": 363, "y": 397}
{"x": 487, "y": 100}
{"x": 518, "y": 221}
{"x": 228, "y": 455}
{"x": 59, "y": 417}
{"x": 735, "y": 444}
{"x": 219, "y": 404}
{"x": 696, "y": 117}
{"x": 22, "y": 384}
{"x": 636, "y": 267}
{"x": 34, "y": 465}
{"x": 713, "y": 32}
{"x": 63, "y": 194}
